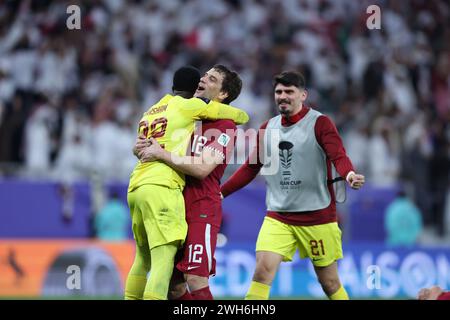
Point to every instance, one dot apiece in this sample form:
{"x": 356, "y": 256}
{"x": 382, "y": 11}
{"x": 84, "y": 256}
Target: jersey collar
{"x": 286, "y": 122}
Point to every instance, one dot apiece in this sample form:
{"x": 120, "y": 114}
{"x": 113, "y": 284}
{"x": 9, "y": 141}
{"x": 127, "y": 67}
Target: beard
{"x": 286, "y": 110}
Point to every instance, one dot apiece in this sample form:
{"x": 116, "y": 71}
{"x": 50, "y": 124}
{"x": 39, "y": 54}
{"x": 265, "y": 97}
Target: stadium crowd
{"x": 70, "y": 99}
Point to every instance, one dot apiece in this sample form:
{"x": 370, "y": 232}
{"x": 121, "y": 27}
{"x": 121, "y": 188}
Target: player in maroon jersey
{"x": 212, "y": 145}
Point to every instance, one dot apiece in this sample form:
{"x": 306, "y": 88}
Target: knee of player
{"x": 196, "y": 282}
{"x": 263, "y": 273}
{"x": 330, "y": 285}
{"x": 176, "y": 291}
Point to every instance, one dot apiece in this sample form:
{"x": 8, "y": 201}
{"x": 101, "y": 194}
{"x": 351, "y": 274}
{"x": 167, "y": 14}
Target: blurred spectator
{"x": 417, "y": 150}
{"x": 112, "y": 222}
{"x": 403, "y": 222}
{"x": 39, "y": 130}
{"x": 439, "y": 175}
{"x": 384, "y": 160}
{"x": 356, "y": 141}
{"x": 74, "y": 161}
{"x": 12, "y": 131}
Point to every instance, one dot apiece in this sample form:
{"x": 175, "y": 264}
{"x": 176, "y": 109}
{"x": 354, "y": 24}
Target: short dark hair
{"x": 231, "y": 84}
{"x": 186, "y": 79}
{"x": 290, "y": 78}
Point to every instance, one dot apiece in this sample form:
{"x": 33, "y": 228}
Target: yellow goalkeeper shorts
{"x": 320, "y": 243}
{"x": 157, "y": 215}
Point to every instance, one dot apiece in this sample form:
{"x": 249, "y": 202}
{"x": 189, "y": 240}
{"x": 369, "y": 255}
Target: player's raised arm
{"x": 249, "y": 170}
{"x": 205, "y": 109}
{"x": 216, "y": 111}
{"x": 329, "y": 139}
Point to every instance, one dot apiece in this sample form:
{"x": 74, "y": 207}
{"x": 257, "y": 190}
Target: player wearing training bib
{"x": 300, "y": 146}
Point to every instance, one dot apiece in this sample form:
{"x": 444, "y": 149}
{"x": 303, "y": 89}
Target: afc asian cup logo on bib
{"x": 285, "y": 154}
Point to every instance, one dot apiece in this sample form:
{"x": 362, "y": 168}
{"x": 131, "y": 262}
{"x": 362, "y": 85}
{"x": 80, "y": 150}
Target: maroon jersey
{"x": 202, "y": 197}
{"x": 444, "y": 296}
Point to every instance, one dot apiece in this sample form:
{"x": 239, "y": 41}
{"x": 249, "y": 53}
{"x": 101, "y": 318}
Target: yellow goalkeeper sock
{"x": 341, "y": 294}
{"x": 134, "y": 287}
{"x": 151, "y": 296}
{"x": 258, "y": 291}
{"x": 162, "y": 267}
{"x": 137, "y": 277}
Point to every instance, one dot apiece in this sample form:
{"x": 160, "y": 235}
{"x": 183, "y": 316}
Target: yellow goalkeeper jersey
{"x": 171, "y": 122}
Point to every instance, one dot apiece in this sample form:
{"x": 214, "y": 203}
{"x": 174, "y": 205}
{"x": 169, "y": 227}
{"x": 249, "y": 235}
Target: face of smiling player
{"x": 289, "y": 99}
{"x": 210, "y": 86}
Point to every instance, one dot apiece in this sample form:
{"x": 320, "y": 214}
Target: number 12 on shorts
{"x": 315, "y": 247}
{"x": 195, "y": 253}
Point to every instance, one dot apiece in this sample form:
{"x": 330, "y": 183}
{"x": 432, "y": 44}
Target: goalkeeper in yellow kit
{"x": 155, "y": 190}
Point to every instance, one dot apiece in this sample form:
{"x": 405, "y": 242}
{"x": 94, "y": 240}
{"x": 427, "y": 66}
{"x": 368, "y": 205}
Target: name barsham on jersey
{"x": 156, "y": 110}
